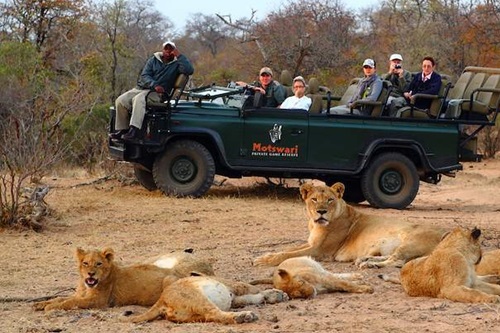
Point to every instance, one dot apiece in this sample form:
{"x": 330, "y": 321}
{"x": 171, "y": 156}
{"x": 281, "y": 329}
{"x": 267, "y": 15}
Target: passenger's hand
{"x": 259, "y": 89}
{"x": 176, "y": 52}
{"x": 159, "y": 89}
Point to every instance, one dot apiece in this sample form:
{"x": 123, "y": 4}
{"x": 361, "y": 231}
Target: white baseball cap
{"x": 369, "y": 62}
{"x": 395, "y": 56}
{"x": 169, "y": 43}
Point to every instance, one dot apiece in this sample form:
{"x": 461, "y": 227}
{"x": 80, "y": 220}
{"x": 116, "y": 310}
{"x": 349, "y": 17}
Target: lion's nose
{"x": 91, "y": 274}
{"x": 321, "y": 211}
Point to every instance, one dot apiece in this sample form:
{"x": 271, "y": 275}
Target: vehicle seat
{"x": 350, "y": 91}
{"x": 436, "y": 104}
{"x": 316, "y": 97}
{"x": 453, "y": 105}
{"x": 171, "y": 96}
{"x": 483, "y": 100}
{"x": 286, "y": 81}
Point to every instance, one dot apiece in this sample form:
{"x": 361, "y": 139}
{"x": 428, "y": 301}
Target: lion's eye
{"x": 98, "y": 264}
{"x": 85, "y": 264}
{"x": 330, "y": 200}
{"x": 314, "y": 200}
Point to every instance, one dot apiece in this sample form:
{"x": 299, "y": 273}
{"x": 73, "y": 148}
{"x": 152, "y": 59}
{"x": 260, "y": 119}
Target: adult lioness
{"x": 104, "y": 283}
{"x": 337, "y": 229}
{"x": 448, "y": 272}
{"x": 303, "y": 277}
{"x": 204, "y": 298}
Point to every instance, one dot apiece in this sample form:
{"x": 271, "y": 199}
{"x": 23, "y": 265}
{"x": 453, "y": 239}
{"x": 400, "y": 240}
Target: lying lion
{"x": 337, "y": 229}
{"x": 489, "y": 264}
{"x": 204, "y": 298}
{"x": 303, "y": 277}
{"x": 104, "y": 283}
{"x": 448, "y": 272}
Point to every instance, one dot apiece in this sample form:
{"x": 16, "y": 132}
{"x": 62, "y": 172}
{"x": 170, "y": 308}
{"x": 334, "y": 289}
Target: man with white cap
{"x": 369, "y": 89}
{"x": 299, "y": 100}
{"x": 157, "y": 77}
{"x": 399, "y": 78}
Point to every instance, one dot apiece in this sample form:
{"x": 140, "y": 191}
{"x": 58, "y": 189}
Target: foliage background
{"x": 63, "y": 62}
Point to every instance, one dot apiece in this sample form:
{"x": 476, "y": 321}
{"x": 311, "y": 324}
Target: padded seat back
{"x": 286, "y": 81}
{"x": 484, "y": 98}
{"x": 314, "y": 93}
{"x": 458, "y": 89}
{"x": 382, "y": 98}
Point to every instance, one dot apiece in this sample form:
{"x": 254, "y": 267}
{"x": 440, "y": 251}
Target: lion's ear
{"x": 305, "y": 190}
{"x": 80, "y": 253}
{"x": 108, "y": 253}
{"x": 475, "y": 233}
{"x": 283, "y": 274}
{"x": 338, "y": 189}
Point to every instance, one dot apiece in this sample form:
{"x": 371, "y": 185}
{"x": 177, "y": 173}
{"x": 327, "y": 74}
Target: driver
{"x": 157, "y": 77}
{"x": 272, "y": 91}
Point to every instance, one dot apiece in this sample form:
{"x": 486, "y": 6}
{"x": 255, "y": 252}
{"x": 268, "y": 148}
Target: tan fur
{"x": 448, "y": 272}
{"x": 337, "y": 229}
{"x": 303, "y": 277}
{"x": 104, "y": 283}
{"x": 489, "y": 264}
{"x": 203, "y": 299}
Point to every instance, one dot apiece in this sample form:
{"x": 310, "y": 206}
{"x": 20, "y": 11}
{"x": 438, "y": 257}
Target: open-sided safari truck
{"x": 213, "y": 130}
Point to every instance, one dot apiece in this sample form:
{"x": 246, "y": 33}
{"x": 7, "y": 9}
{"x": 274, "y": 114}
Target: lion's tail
{"x": 390, "y": 278}
{"x": 261, "y": 281}
{"x": 157, "y": 310}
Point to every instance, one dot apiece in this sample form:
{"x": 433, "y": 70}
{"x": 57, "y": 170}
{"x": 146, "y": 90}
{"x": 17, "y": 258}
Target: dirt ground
{"x": 236, "y": 222}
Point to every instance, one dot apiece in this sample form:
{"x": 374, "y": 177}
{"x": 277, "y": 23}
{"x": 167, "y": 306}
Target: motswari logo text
{"x": 259, "y": 149}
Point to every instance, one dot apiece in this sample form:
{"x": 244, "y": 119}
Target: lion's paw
{"x": 39, "y": 306}
{"x": 267, "y": 260}
{"x": 245, "y": 317}
{"x": 272, "y": 296}
{"x": 365, "y": 289}
{"x": 368, "y": 264}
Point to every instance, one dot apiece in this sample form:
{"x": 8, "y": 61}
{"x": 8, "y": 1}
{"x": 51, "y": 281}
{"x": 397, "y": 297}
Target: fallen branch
{"x": 36, "y": 299}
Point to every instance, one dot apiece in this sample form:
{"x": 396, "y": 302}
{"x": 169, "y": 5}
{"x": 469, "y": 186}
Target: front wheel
{"x": 186, "y": 168}
{"x": 145, "y": 178}
{"x": 390, "y": 181}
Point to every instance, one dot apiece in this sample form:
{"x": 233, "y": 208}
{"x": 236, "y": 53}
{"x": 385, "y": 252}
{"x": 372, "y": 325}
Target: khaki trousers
{"x": 133, "y": 102}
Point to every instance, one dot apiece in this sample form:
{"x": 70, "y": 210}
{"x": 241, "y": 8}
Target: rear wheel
{"x": 186, "y": 168}
{"x": 145, "y": 178}
{"x": 390, "y": 181}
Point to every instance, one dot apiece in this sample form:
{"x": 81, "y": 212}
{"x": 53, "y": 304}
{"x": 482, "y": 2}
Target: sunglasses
{"x": 298, "y": 86}
{"x": 367, "y": 66}
{"x": 264, "y": 74}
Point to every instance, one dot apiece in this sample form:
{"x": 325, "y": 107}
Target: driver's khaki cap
{"x": 266, "y": 70}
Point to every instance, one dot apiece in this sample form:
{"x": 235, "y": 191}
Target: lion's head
{"x": 323, "y": 203}
{"x": 294, "y": 286}
{"x": 466, "y": 241}
{"x": 94, "y": 265}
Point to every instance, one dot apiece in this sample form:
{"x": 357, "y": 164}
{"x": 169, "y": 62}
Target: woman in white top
{"x": 299, "y": 100}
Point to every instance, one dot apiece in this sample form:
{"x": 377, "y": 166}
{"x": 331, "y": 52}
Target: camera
{"x": 397, "y": 66}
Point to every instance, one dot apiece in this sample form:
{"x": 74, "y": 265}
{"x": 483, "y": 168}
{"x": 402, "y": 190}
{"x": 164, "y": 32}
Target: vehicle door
{"x": 274, "y": 135}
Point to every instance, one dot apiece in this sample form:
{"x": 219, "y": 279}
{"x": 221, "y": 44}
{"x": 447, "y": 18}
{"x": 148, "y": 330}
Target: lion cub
{"x": 489, "y": 264}
{"x": 303, "y": 277}
{"x": 204, "y": 298}
{"x": 448, "y": 272}
{"x": 104, "y": 283}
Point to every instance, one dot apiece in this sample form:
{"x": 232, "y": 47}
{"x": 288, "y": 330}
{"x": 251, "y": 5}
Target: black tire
{"x": 186, "y": 168}
{"x": 145, "y": 178}
{"x": 353, "y": 192}
{"x": 390, "y": 181}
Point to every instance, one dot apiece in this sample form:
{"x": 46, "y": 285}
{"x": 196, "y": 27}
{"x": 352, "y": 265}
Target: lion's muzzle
{"x": 91, "y": 282}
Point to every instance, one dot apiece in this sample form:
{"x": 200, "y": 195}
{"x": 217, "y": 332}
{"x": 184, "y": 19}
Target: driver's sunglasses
{"x": 295, "y": 87}
{"x": 264, "y": 74}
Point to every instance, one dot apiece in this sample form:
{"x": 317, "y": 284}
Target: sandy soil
{"x": 235, "y": 223}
